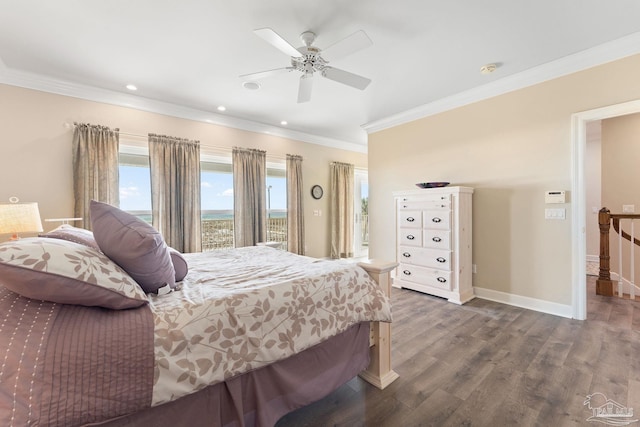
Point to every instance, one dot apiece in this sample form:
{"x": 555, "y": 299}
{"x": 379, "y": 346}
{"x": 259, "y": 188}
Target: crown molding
{"x": 61, "y": 87}
{"x": 601, "y": 54}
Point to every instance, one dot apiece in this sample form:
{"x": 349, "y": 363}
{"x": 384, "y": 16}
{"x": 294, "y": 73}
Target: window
{"x": 361, "y": 210}
{"x": 216, "y": 201}
{"x": 135, "y": 185}
{"x": 216, "y": 196}
{"x": 277, "y": 206}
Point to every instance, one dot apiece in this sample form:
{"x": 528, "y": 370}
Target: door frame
{"x": 578, "y": 190}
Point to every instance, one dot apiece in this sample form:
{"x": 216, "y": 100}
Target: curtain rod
{"x": 215, "y": 147}
{"x": 146, "y": 137}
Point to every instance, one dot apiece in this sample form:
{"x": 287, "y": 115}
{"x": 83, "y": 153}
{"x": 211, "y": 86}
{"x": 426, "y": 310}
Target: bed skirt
{"x": 261, "y": 397}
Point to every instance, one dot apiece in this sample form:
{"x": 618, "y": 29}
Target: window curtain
{"x": 295, "y": 211}
{"x": 95, "y": 168}
{"x": 175, "y": 191}
{"x": 341, "y": 209}
{"x": 249, "y": 196}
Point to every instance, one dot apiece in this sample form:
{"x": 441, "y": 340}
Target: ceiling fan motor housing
{"x": 310, "y": 61}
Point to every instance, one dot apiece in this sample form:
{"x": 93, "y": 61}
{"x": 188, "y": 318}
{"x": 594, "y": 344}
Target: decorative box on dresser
{"x": 433, "y": 242}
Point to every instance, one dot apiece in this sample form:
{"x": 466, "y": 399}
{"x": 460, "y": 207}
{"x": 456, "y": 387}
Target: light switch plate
{"x": 556, "y": 213}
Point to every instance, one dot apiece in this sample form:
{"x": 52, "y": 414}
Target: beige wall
{"x": 35, "y": 150}
{"x": 511, "y": 149}
{"x": 621, "y": 178}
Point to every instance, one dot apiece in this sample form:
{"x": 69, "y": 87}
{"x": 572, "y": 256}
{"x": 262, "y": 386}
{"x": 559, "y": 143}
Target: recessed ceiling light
{"x": 222, "y": 108}
{"x": 488, "y": 68}
{"x": 251, "y": 85}
{"x": 284, "y": 123}
{"x": 132, "y": 87}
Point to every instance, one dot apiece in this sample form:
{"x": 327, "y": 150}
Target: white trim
{"x": 524, "y": 302}
{"x": 579, "y": 213}
{"x": 48, "y": 84}
{"x": 578, "y": 220}
{"x": 593, "y": 258}
{"x": 134, "y": 149}
{"x": 606, "y": 52}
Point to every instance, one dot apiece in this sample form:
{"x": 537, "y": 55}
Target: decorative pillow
{"x": 179, "y": 264}
{"x": 73, "y": 234}
{"x": 66, "y": 272}
{"x": 134, "y": 245}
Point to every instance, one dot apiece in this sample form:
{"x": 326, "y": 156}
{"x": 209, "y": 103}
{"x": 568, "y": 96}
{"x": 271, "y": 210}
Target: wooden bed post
{"x": 379, "y": 372}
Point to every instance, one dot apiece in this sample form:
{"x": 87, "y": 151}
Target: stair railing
{"x": 604, "y": 283}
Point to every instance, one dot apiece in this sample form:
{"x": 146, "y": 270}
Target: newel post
{"x": 604, "y": 285}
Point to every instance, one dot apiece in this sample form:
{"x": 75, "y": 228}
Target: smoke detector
{"x": 488, "y": 68}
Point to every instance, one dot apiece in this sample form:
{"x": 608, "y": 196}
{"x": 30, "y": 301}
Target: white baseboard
{"x": 525, "y": 302}
{"x": 593, "y": 258}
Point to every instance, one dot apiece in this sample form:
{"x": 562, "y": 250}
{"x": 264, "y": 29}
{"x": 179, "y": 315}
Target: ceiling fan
{"x": 309, "y": 59}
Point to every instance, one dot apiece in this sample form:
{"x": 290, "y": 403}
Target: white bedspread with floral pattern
{"x": 242, "y": 309}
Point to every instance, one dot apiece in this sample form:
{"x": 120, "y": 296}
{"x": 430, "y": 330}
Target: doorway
{"x": 579, "y": 123}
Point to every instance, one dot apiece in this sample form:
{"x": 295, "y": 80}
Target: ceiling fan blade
{"x": 274, "y": 38}
{"x": 267, "y": 73}
{"x": 346, "y": 78}
{"x": 350, "y": 44}
{"x": 304, "y": 90}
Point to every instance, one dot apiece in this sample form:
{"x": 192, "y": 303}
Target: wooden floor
{"x": 489, "y": 364}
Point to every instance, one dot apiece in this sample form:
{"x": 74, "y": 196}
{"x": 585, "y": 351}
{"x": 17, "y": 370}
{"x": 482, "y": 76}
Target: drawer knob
{"x": 406, "y": 254}
{"x": 440, "y": 259}
{"x": 411, "y": 237}
{"x": 437, "y": 239}
{"x": 436, "y": 219}
{"x": 442, "y": 280}
{"x": 406, "y": 273}
{"x": 410, "y": 219}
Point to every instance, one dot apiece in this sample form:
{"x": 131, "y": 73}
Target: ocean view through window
{"x": 216, "y": 187}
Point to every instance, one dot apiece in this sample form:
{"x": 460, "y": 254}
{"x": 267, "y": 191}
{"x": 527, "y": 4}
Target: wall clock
{"x": 316, "y": 192}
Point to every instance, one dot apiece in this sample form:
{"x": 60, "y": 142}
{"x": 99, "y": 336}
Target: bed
{"x": 246, "y": 336}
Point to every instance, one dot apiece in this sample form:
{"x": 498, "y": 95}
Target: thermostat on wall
{"x": 554, "y": 196}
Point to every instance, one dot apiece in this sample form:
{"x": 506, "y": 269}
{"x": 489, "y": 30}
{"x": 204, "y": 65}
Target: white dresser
{"x": 433, "y": 242}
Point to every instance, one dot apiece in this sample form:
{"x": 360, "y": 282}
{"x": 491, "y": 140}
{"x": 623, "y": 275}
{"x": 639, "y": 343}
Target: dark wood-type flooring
{"x": 489, "y": 364}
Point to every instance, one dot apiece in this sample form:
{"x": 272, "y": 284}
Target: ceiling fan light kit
{"x": 308, "y": 60}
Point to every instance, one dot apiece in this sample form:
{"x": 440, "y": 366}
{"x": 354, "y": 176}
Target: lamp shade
{"x": 19, "y": 218}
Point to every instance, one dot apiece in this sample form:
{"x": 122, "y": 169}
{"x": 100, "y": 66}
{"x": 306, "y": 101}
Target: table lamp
{"x": 19, "y": 218}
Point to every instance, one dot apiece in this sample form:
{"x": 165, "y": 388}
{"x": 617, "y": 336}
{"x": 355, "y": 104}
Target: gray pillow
{"x": 134, "y": 245}
{"x": 65, "y": 272}
{"x": 179, "y": 264}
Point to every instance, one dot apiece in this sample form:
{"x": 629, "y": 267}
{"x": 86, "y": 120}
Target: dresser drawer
{"x": 436, "y": 239}
{"x": 410, "y": 219}
{"x": 435, "y": 219}
{"x": 410, "y": 236}
{"x": 440, "y": 202}
{"x": 425, "y": 276}
{"x": 425, "y": 257}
